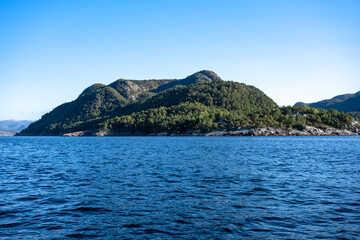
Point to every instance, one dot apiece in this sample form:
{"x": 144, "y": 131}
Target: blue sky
{"x": 292, "y": 50}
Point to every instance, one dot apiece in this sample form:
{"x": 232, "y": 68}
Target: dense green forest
{"x": 196, "y": 116}
{"x": 201, "y": 102}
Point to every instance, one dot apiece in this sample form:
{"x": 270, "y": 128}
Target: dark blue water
{"x": 180, "y": 188}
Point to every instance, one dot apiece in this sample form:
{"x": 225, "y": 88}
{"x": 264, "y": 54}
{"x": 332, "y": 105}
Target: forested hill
{"x": 345, "y": 103}
{"x": 201, "y": 102}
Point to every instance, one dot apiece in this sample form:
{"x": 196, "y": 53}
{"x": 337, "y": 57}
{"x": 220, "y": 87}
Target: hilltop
{"x": 198, "y": 104}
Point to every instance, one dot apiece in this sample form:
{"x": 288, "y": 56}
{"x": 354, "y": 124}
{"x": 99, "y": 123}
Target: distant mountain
{"x": 201, "y": 102}
{"x": 345, "y": 103}
{"x": 7, "y": 133}
{"x": 11, "y": 127}
{"x": 14, "y": 125}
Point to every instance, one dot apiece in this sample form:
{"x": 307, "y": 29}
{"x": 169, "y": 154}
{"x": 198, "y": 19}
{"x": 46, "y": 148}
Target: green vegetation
{"x": 345, "y": 103}
{"x": 201, "y": 102}
{"x": 94, "y": 103}
{"x": 196, "y": 116}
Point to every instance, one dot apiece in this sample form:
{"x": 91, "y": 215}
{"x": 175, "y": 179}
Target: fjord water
{"x": 180, "y": 187}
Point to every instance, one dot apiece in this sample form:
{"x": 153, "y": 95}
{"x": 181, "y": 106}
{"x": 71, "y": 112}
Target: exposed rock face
{"x": 306, "y": 131}
{"x": 78, "y": 134}
{"x": 132, "y": 89}
{"x": 202, "y": 76}
{"x": 128, "y": 89}
{"x": 98, "y": 133}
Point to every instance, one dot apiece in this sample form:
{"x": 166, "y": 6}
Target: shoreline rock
{"x": 305, "y": 131}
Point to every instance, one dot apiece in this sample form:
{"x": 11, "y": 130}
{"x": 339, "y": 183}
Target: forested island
{"x": 200, "y": 104}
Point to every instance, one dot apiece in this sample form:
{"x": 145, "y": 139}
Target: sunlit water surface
{"x": 180, "y": 188}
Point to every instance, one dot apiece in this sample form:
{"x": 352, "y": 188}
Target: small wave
{"x": 29, "y": 198}
{"x": 256, "y": 180}
{"x": 10, "y": 225}
{"x": 132, "y": 225}
{"x": 353, "y": 204}
{"x": 237, "y": 206}
{"x": 90, "y": 210}
{"x": 153, "y": 230}
{"x": 337, "y": 219}
{"x": 243, "y": 194}
{"x": 54, "y": 227}
{"x": 260, "y": 189}
{"x": 228, "y": 230}
{"x": 260, "y": 230}
{"x": 274, "y": 218}
{"x": 181, "y": 221}
{"x": 11, "y": 212}
{"x": 82, "y": 235}
{"x": 56, "y": 200}
{"x": 82, "y": 184}
{"x": 327, "y": 202}
{"x": 345, "y": 210}
{"x": 87, "y": 229}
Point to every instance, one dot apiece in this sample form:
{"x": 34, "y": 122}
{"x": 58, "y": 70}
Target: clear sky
{"x": 294, "y": 50}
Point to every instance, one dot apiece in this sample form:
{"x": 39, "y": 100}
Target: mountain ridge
{"x": 199, "y": 102}
{"x": 11, "y": 127}
{"x": 349, "y": 102}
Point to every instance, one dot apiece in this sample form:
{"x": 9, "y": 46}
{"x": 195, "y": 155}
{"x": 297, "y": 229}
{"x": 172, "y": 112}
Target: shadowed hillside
{"x": 345, "y": 103}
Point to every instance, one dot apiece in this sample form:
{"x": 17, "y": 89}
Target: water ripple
{"x": 180, "y": 188}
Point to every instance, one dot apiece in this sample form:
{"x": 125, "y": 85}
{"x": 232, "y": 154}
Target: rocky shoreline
{"x": 305, "y": 131}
